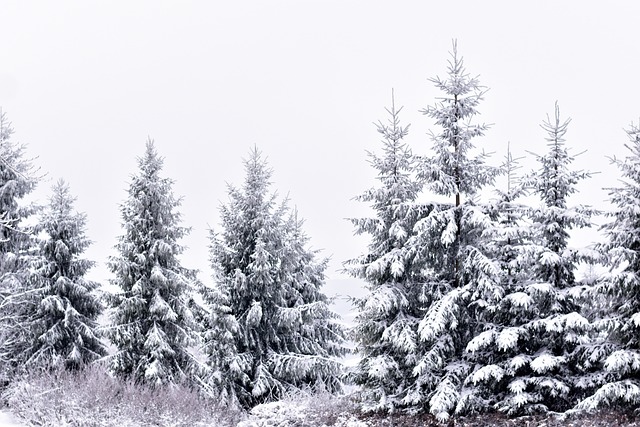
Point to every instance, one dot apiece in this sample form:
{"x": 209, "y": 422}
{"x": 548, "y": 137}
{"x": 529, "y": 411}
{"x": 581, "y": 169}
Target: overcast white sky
{"x": 85, "y": 83}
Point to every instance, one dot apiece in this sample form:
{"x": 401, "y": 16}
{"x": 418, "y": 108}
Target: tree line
{"x": 263, "y": 328}
{"x": 474, "y": 302}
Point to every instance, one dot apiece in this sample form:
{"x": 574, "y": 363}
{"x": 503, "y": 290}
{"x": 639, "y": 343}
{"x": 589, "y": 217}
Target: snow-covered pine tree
{"x": 499, "y": 347}
{"x": 617, "y": 353}
{"x": 65, "y": 323}
{"x": 538, "y": 369}
{"x": 460, "y": 279}
{"x": 387, "y": 321}
{"x": 314, "y": 335}
{"x": 20, "y": 284}
{"x": 270, "y": 328}
{"x": 152, "y": 324}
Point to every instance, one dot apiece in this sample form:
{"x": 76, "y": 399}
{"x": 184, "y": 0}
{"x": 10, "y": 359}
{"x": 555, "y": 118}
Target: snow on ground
{"x": 288, "y": 413}
{"x": 8, "y": 420}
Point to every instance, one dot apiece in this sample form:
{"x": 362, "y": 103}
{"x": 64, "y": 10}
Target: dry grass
{"x": 93, "y": 398}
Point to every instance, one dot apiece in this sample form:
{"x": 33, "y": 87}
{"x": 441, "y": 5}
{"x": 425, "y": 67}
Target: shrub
{"x": 93, "y": 398}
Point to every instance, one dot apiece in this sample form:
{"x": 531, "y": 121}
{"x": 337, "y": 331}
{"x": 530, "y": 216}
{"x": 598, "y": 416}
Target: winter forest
{"x": 476, "y": 300}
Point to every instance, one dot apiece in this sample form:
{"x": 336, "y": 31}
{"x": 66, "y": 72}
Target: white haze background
{"x": 86, "y": 82}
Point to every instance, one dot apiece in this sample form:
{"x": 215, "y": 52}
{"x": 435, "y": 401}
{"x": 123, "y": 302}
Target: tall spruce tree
{"x": 547, "y": 381}
{"x": 616, "y": 354}
{"x": 500, "y": 346}
{"x": 270, "y": 327}
{"x": 460, "y": 279}
{"x": 65, "y": 323}
{"x": 20, "y": 283}
{"x": 387, "y": 320}
{"x": 152, "y": 324}
{"x": 537, "y": 369}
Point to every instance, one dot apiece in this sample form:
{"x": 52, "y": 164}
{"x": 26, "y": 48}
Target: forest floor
{"x": 319, "y": 412}
{"x": 95, "y": 399}
{"x": 610, "y": 419}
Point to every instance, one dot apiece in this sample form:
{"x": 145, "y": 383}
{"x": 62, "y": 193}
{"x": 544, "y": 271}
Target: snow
{"x": 481, "y": 341}
{"x": 380, "y": 366}
{"x": 254, "y": 316}
{"x": 8, "y": 420}
{"x": 486, "y": 373}
{"x": 517, "y": 386}
{"x": 545, "y": 363}
{"x": 508, "y": 338}
{"x": 294, "y": 412}
{"x": 623, "y": 361}
{"x": 635, "y": 320}
{"x": 520, "y": 299}
{"x": 397, "y": 268}
{"x": 518, "y": 362}
{"x": 625, "y": 391}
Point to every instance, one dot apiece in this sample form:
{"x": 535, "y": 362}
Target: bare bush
{"x": 93, "y": 398}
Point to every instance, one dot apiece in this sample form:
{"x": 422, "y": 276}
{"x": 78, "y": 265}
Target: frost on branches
{"x": 388, "y": 316}
{"x": 460, "y": 279}
{"x": 618, "y": 354}
{"x": 270, "y": 327}
{"x": 152, "y": 323}
{"x": 542, "y": 319}
{"x": 20, "y": 284}
{"x": 65, "y": 322}
{"x": 509, "y": 233}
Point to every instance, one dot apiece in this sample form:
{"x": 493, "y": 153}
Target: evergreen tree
{"x": 65, "y": 323}
{"x": 500, "y": 346}
{"x": 152, "y": 323}
{"x": 20, "y": 284}
{"x": 388, "y": 316}
{"x": 557, "y": 326}
{"x": 539, "y": 320}
{"x": 616, "y": 355}
{"x": 270, "y": 327}
{"x": 460, "y": 280}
